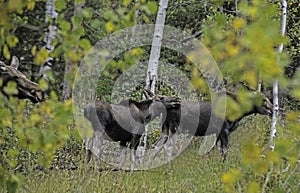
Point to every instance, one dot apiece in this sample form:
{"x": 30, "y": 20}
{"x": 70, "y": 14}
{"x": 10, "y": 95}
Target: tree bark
{"x": 26, "y": 88}
{"x": 156, "y": 45}
{"x": 67, "y": 87}
{"x": 275, "y": 84}
{"x": 50, "y": 36}
{"x": 151, "y": 77}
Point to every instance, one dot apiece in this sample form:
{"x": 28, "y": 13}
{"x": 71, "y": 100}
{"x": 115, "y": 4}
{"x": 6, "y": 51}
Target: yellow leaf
{"x": 109, "y": 26}
{"x": 233, "y": 110}
{"x": 136, "y": 51}
{"x": 6, "y": 52}
{"x": 251, "y": 153}
{"x": 252, "y": 12}
{"x": 84, "y": 128}
{"x": 3, "y": 16}
{"x": 34, "y": 118}
{"x": 296, "y": 92}
{"x": 30, "y": 5}
{"x": 33, "y": 50}
{"x": 48, "y": 146}
{"x": 229, "y": 179}
{"x": 15, "y": 5}
{"x": 233, "y": 50}
{"x": 261, "y": 166}
{"x": 43, "y": 84}
{"x": 251, "y": 78}
{"x": 41, "y": 57}
{"x": 238, "y": 23}
{"x": 273, "y": 156}
{"x": 253, "y": 187}
{"x": 292, "y": 116}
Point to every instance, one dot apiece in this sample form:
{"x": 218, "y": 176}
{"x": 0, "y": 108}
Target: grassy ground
{"x": 190, "y": 172}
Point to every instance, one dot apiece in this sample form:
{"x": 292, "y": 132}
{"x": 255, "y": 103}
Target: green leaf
{"x": 152, "y": 7}
{"x": 6, "y": 52}
{"x": 126, "y": 2}
{"x": 13, "y": 153}
{"x": 282, "y": 146}
{"x": 78, "y": 2}
{"x": 85, "y": 44}
{"x": 64, "y": 25}
{"x": 60, "y": 5}
{"x": 221, "y": 19}
{"x": 6, "y": 119}
{"x": 11, "y": 88}
{"x": 87, "y": 12}
{"x": 79, "y": 31}
{"x": 111, "y": 16}
{"x": 76, "y": 20}
{"x": 95, "y": 23}
{"x": 12, "y": 40}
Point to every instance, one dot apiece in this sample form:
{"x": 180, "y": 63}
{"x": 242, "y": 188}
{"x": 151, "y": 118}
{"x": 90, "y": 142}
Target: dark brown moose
{"x": 198, "y": 119}
{"x": 124, "y": 122}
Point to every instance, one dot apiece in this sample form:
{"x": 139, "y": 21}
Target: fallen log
{"x": 26, "y": 88}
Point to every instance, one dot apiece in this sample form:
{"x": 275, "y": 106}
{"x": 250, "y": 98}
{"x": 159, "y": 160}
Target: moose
{"x": 124, "y": 122}
{"x": 199, "y": 119}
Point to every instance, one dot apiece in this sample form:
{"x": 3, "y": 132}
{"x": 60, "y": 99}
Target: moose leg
{"x": 132, "y": 159}
{"x": 157, "y": 147}
{"x": 133, "y": 147}
{"x": 224, "y": 142}
{"x": 123, "y": 154}
{"x": 170, "y": 144}
{"x": 88, "y": 156}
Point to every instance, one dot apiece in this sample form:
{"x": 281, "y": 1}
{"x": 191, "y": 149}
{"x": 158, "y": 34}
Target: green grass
{"x": 189, "y": 172}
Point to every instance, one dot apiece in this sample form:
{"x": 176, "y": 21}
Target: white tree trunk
{"x": 154, "y": 58}
{"x": 259, "y": 86}
{"x": 275, "y": 84}
{"x": 50, "y": 13}
{"x": 67, "y": 87}
{"x": 156, "y": 44}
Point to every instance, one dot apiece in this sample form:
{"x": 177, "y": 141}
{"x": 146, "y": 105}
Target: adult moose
{"x": 124, "y": 122}
{"x": 199, "y": 119}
